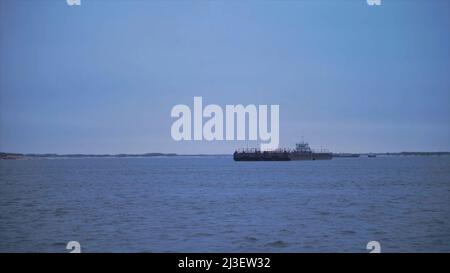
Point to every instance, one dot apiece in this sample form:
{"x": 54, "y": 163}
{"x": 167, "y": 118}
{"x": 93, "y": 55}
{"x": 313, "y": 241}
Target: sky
{"x": 103, "y": 77}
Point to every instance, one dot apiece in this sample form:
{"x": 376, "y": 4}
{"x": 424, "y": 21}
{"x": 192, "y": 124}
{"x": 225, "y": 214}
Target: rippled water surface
{"x": 213, "y": 204}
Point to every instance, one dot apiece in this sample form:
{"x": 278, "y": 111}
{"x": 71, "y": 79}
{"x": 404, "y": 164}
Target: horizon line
{"x": 154, "y": 154}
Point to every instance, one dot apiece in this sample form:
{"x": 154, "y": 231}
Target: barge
{"x": 302, "y": 151}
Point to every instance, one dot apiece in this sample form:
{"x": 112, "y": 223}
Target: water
{"x": 213, "y": 204}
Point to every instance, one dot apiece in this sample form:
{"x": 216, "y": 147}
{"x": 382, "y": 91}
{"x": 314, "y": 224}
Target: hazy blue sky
{"x": 103, "y": 77}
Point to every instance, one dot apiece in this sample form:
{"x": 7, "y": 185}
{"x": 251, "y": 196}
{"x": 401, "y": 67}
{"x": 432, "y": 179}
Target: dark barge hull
{"x": 261, "y": 156}
{"x": 280, "y": 156}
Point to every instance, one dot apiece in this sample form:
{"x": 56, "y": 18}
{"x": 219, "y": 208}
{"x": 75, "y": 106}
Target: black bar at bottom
{"x": 220, "y": 262}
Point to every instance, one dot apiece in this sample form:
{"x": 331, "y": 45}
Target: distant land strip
{"x": 52, "y": 155}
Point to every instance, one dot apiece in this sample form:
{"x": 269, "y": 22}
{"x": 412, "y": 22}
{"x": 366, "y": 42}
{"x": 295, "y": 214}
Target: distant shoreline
{"x": 39, "y": 156}
{"x": 7, "y": 156}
